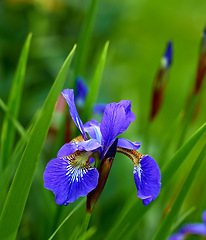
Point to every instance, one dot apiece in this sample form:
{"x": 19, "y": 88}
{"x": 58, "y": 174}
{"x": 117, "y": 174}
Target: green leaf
{"x": 95, "y": 84}
{"x": 83, "y": 44}
{"x": 8, "y": 130}
{"x": 180, "y": 155}
{"x": 70, "y": 214}
{"x": 131, "y": 207}
{"x": 14, "y": 121}
{"x": 164, "y": 229}
{"x": 19, "y": 190}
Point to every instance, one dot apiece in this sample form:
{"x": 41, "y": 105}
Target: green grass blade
{"x": 19, "y": 190}
{"x": 183, "y": 217}
{"x": 8, "y": 130}
{"x": 83, "y": 44}
{"x": 95, "y": 84}
{"x": 168, "y": 172}
{"x": 70, "y": 214}
{"x": 187, "y": 119}
{"x": 164, "y": 229}
{"x": 14, "y": 121}
{"x": 181, "y": 154}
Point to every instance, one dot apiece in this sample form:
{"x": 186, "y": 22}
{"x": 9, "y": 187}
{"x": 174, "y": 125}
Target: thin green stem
{"x": 85, "y": 224}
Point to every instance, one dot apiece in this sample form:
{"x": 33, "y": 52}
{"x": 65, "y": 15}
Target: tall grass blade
{"x": 95, "y": 84}
{"x": 164, "y": 229}
{"x": 8, "y": 130}
{"x": 70, "y": 214}
{"x": 83, "y": 44}
{"x": 19, "y": 190}
{"x": 14, "y": 121}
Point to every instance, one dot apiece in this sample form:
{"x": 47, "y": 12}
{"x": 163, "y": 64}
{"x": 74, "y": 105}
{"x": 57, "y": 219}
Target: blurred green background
{"x": 138, "y": 32}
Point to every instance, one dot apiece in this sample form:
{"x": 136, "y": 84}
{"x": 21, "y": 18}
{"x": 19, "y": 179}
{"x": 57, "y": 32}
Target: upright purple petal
{"x": 124, "y": 143}
{"x": 147, "y": 179}
{"x": 81, "y": 92}
{"x": 68, "y": 94}
{"x": 70, "y": 177}
{"x": 116, "y": 119}
{"x": 127, "y": 107}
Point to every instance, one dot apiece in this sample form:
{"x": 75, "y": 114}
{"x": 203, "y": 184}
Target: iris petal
{"x": 147, "y": 175}
{"x": 93, "y": 129}
{"x": 68, "y": 94}
{"x": 194, "y": 228}
{"x": 116, "y": 119}
{"x": 89, "y": 145}
{"x": 70, "y": 177}
{"x": 147, "y": 179}
{"x": 124, "y": 143}
{"x": 70, "y": 147}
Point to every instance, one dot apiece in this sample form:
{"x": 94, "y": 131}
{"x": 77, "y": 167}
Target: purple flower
{"x": 71, "y": 175}
{"x": 81, "y": 91}
{"x": 191, "y": 228}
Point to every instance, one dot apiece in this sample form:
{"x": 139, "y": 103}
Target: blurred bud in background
{"x": 160, "y": 81}
{"x": 201, "y": 68}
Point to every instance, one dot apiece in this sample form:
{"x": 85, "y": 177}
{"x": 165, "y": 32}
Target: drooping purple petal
{"x": 70, "y": 177}
{"x": 147, "y": 179}
{"x": 81, "y": 92}
{"x": 99, "y": 108}
{"x": 124, "y": 143}
{"x": 116, "y": 119}
{"x": 93, "y": 129}
{"x": 68, "y": 94}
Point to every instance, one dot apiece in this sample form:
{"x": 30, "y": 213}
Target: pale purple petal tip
{"x": 124, "y": 143}
{"x": 147, "y": 179}
{"x": 69, "y": 183}
{"x": 89, "y": 145}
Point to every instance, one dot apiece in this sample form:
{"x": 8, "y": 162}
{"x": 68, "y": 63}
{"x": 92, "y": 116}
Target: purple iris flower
{"x": 81, "y": 94}
{"x": 71, "y": 174}
{"x": 191, "y": 228}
